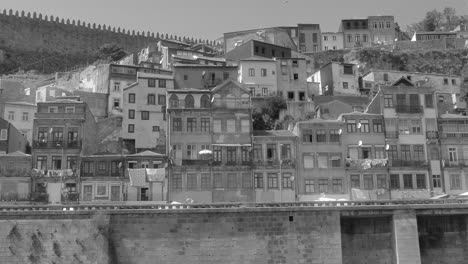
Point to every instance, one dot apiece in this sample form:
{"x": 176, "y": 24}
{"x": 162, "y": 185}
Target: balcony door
{"x": 414, "y": 100}
{"x": 115, "y": 193}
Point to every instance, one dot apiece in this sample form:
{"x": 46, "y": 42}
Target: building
{"x": 210, "y": 138}
{"x": 320, "y": 160}
{"x": 11, "y": 140}
{"x": 310, "y": 39}
{"x": 356, "y": 33}
{"x": 366, "y": 158}
{"x": 97, "y": 103}
{"x": 202, "y": 76}
{"x": 15, "y": 176}
{"x": 258, "y": 48}
{"x": 118, "y": 178}
{"x": 14, "y": 91}
{"x": 291, "y": 76}
{"x": 332, "y": 40}
{"x": 274, "y": 161}
{"x": 144, "y": 108}
{"x": 409, "y": 112}
{"x": 382, "y": 29}
{"x": 50, "y": 92}
{"x": 433, "y": 35}
{"x": 259, "y": 75}
{"x": 64, "y": 130}
{"x": 336, "y": 78}
{"x": 20, "y": 115}
{"x": 276, "y": 36}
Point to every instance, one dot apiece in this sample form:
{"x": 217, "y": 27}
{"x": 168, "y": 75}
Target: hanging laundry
{"x": 137, "y": 177}
{"x": 156, "y": 174}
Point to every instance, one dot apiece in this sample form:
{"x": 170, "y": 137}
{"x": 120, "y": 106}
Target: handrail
{"x": 163, "y": 206}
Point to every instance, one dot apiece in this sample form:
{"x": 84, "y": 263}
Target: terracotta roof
{"x": 21, "y": 103}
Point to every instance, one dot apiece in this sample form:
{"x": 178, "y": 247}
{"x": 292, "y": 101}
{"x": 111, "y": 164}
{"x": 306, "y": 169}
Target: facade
{"x": 259, "y": 75}
{"x": 356, "y": 33}
{"x": 14, "y": 91}
{"x": 432, "y": 35}
{"x": 50, "y": 92}
{"x": 277, "y": 36}
{"x": 64, "y": 130}
{"x": 337, "y": 78}
{"x": 120, "y": 76}
{"x": 11, "y": 139}
{"x": 332, "y": 40}
{"x": 274, "y": 161}
{"x": 144, "y": 108}
{"x": 258, "y": 48}
{"x": 310, "y": 39}
{"x": 15, "y": 177}
{"x": 382, "y": 29}
{"x": 410, "y": 115}
{"x": 320, "y": 160}
{"x": 217, "y": 122}
{"x": 291, "y": 77}
{"x": 201, "y": 76}
{"x": 20, "y": 115}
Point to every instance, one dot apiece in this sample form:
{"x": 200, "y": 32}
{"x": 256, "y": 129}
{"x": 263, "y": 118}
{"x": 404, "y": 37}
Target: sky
{"x": 209, "y": 19}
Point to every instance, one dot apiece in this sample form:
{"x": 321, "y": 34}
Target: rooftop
{"x": 21, "y": 103}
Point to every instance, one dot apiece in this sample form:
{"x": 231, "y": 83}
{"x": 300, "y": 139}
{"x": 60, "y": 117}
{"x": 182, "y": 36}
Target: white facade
{"x": 21, "y": 115}
{"x": 259, "y": 75}
{"x": 332, "y": 41}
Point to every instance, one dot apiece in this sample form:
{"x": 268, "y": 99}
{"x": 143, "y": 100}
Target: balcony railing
{"x": 407, "y": 163}
{"x": 285, "y": 163}
{"x": 454, "y": 135}
{"x": 56, "y": 144}
{"x": 70, "y": 197}
{"x": 365, "y": 164}
{"x": 455, "y": 164}
{"x": 68, "y": 173}
{"x": 39, "y": 197}
{"x": 392, "y": 134}
{"x": 432, "y": 135}
{"x": 409, "y": 109}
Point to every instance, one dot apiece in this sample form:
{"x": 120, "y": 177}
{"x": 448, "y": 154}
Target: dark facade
{"x": 258, "y": 48}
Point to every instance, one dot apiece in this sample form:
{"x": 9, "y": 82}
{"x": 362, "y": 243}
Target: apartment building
{"x": 320, "y": 160}
{"x": 20, "y": 115}
{"x": 64, "y": 130}
{"x": 276, "y": 36}
{"x": 336, "y": 78}
{"x": 356, "y": 33}
{"x": 210, "y": 138}
{"x": 382, "y": 29}
{"x": 259, "y": 75}
{"x": 309, "y": 36}
{"x": 11, "y": 139}
{"x": 202, "y": 76}
{"x": 258, "y": 48}
{"x": 144, "y": 108}
{"x": 291, "y": 78}
{"x": 274, "y": 166}
{"x": 332, "y": 41}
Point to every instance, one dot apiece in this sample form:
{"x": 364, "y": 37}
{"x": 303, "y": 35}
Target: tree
{"x": 434, "y": 20}
{"x": 267, "y": 115}
{"x": 111, "y": 52}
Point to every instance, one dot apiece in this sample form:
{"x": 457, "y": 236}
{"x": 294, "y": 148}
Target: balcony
{"x": 365, "y": 164}
{"x": 457, "y": 135}
{"x": 432, "y": 135}
{"x": 40, "y": 144}
{"x": 391, "y": 134}
{"x": 69, "y": 173}
{"x": 39, "y": 197}
{"x": 70, "y": 197}
{"x": 409, "y": 109}
{"x": 407, "y": 163}
{"x": 195, "y": 162}
{"x": 285, "y": 164}
{"x": 455, "y": 164}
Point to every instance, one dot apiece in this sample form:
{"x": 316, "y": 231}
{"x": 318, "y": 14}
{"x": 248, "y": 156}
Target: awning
{"x": 232, "y": 145}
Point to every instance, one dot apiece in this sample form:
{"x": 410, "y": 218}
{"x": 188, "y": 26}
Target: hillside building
{"x": 21, "y": 115}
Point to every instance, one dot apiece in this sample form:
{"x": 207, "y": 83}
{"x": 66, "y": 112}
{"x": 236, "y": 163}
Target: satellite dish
{"x": 291, "y": 178}
{"x": 340, "y": 131}
{"x": 387, "y": 147}
{"x": 359, "y": 125}
{"x": 360, "y": 143}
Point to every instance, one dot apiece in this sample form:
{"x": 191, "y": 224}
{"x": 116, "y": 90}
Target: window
{"x": 405, "y": 152}
{"x": 321, "y": 136}
{"x": 191, "y": 124}
{"x": 144, "y": 115}
{"x": 421, "y": 181}
{"x": 151, "y": 83}
{"x": 323, "y": 185}
{"x": 245, "y": 125}
{"x": 351, "y": 125}
{"x": 408, "y": 181}
{"x": 436, "y": 181}
{"x": 218, "y": 180}
{"x": 446, "y": 82}
{"x": 325, "y": 38}
{"x": 415, "y": 126}
{"x": 41, "y": 162}
{"x": 334, "y": 38}
{"x": 285, "y": 151}
{"x": 191, "y": 151}
{"x": 217, "y": 126}
{"x": 251, "y": 72}
{"x": 368, "y": 181}
{"x": 57, "y": 134}
{"x": 245, "y": 154}
{"x": 290, "y": 96}
{"x": 4, "y": 135}
{"x": 322, "y": 161}
{"x": 337, "y": 185}
{"x": 388, "y": 100}
{"x": 307, "y": 135}
{"x": 231, "y": 155}
{"x": 271, "y": 152}
{"x": 258, "y": 180}
{"x": 364, "y": 38}
{"x": 189, "y": 101}
{"x": 131, "y": 98}
{"x": 286, "y": 181}
{"x": 336, "y": 160}
{"x": 263, "y": 50}
{"x": 418, "y": 151}
{"x": 301, "y": 37}
{"x": 70, "y": 109}
{"x": 205, "y": 101}
{"x": 192, "y": 181}
{"x": 350, "y": 38}
{"x": 345, "y": 85}
{"x": 205, "y": 124}
{"x": 392, "y": 152}
{"x": 441, "y": 98}
{"x": 25, "y": 116}
{"x": 296, "y": 76}
{"x": 379, "y": 153}
{"x": 217, "y": 154}
{"x": 151, "y": 99}
{"x": 453, "y": 157}
{"x": 381, "y": 181}
{"x": 205, "y": 181}
{"x": 52, "y": 109}
{"x": 176, "y": 181}
{"x": 116, "y": 86}
{"x": 348, "y": 69}
{"x": 309, "y": 186}
{"x": 131, "y": 128}
{"x": 357, "y": 37}
{"x": 272, "y": 181}
{"x": 174, "y": 101}
{"x": 309, "y": 161}
{"x": 263, "y": 72}
{"x": 395, "y": 181}
{"x": 264, "y": 91}
{"x": 258, "y": 152}
{"x": 185, "y": 77}
{"x": 428, "y": 101}
{"x": 177, "y": 124}
{"x": 11, "y": 115}
{"x": 231, "y": 126}
{"x": 364, "y": 125}
{"x": 232, "y": 180}
{"x": 355, "y": 181}
{"x": 116, "y": 102}
{"x": 334, "y": 135}
{"x": 162, "y": 83}
{"x": 377, "y": 125}
{"x": 455, "y": 182}
{"x": 56, "y": 162}
{"x": 388, "y": 24}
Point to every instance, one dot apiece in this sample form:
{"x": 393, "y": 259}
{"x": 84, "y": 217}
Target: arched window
{"x": 189, "y": 101}
{"x": 173, "y": 101}
{"x": 230, "y": 101}
{"x": 205, "y": 101}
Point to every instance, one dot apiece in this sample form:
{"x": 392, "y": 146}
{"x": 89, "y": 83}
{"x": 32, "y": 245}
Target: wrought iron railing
{"x": 56, "y": 144}
{"x": 409, "y": 109}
